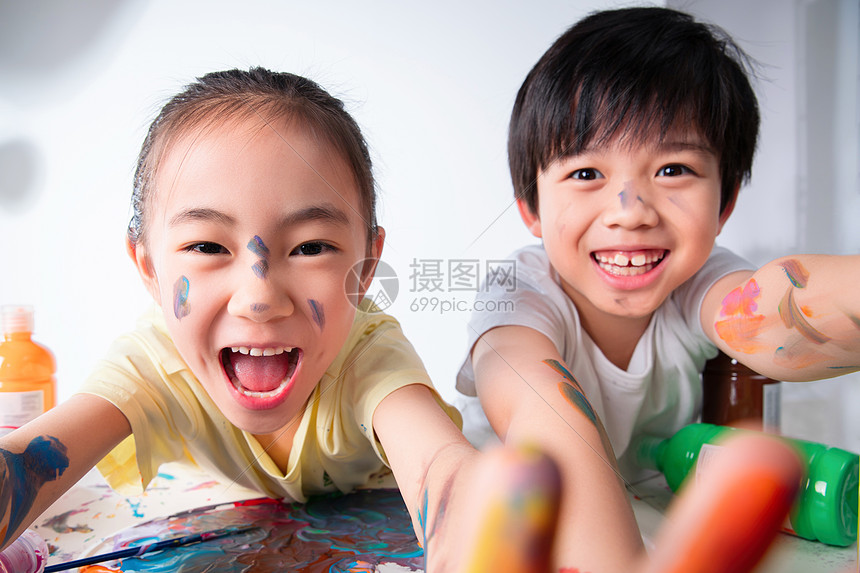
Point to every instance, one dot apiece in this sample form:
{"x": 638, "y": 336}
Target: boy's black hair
{"x": 633, "y": 73}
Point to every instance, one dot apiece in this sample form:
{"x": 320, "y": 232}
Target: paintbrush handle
{"x": 148, "y": 548}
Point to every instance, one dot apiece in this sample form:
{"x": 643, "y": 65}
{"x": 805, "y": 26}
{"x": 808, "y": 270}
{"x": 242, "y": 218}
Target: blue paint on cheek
{"x": 317, "y": 312}
{"x": 44, "y": 460}
{"x": 181, "y": 288}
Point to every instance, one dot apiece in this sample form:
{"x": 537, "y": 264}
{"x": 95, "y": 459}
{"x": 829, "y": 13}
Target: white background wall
{"x": 432, "y": 86}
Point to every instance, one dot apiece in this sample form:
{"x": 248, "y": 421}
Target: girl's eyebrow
{"x": 201, "y": 214}
{"x": 322, "y": 212}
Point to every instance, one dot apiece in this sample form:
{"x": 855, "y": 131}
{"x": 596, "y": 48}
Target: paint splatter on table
{"x": 362, "y": 532}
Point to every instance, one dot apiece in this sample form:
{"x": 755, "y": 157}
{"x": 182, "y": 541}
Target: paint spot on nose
{"x": 259, "y": 248}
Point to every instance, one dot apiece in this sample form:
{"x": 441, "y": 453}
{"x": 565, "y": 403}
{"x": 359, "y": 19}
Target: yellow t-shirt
{"x": 172, "y": 417}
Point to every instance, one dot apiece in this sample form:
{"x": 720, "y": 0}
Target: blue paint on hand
{"x": 23, "y": 475}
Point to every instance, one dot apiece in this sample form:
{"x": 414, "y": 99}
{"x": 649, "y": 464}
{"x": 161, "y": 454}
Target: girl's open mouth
{"x": 260, "y": 377}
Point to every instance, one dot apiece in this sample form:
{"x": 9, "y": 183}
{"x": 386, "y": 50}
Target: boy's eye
{"x": 587, "y": 174}
{"x": 673, "y": 171}
{"x": 312, "y": 249}
{"x": 207, "y": 248}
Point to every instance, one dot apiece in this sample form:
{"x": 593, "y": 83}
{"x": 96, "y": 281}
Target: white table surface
{"x": 91, "y": 512}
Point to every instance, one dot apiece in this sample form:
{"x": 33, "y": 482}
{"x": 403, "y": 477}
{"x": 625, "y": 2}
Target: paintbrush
{"x": 150, "y": 548}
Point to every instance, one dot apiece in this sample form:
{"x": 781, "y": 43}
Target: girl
{"x": 253, "y": 218}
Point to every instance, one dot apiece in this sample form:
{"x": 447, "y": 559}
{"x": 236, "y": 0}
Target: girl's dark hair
{"x": 634, "y": 74}
{"x": 237, "y": 94}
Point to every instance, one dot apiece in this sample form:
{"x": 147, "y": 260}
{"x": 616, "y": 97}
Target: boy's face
{"x": 625, "y": 225}
{"x": 252, "y": 234}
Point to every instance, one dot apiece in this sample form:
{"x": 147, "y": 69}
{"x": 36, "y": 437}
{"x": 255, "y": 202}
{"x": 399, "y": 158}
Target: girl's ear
{"x": 530, "y": 218}
{"x": 140, "y": 258}
{"x": 371, "y": 260}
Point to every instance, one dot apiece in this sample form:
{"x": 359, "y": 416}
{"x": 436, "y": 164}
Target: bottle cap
{"x": 833, "y": 477}
{"x": 17, "y": 318}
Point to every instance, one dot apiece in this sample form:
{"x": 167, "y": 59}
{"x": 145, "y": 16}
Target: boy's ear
{"x": 730, "y": 206}
{"x": 529, "y": 217}
{"x": 147, "y": 274}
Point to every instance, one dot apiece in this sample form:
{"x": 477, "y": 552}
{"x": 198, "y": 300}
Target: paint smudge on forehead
{"x": 181, "y": 306}
{"x": 317, "y": 312}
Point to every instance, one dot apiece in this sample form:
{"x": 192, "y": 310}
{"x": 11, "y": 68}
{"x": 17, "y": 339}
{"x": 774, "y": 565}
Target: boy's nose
{"x": 630, "y": 208}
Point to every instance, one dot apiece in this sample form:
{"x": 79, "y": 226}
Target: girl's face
{"x": 253, "y": 231}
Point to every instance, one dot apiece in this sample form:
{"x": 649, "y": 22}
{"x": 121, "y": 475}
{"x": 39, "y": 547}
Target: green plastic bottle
{"x": 826, "y": 507}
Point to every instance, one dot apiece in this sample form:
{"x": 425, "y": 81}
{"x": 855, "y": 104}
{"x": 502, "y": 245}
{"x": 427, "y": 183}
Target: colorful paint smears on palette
{"x": 741, "y": 325}
{"x": 334, "y": 533}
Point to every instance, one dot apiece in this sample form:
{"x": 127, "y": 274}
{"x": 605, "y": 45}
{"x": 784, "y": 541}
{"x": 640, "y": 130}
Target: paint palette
{"x": 365, "y": 531}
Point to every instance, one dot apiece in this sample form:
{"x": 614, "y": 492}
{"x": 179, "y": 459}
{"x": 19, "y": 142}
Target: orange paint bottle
{"x": 27, "y": 383}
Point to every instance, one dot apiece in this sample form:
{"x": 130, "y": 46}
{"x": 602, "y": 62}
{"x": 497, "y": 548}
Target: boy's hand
{"x": 726, "y": 522}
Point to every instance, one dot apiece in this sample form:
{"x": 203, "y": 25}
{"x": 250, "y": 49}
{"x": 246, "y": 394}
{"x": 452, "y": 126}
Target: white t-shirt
{"x": 661, "y": 389}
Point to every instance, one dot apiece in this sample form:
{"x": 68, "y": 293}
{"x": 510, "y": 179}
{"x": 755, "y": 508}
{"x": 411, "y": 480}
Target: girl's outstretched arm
{"x": 796, "y": 318}
{"x": 43, "y": 459}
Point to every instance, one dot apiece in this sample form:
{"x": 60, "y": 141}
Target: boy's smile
{"x": 254, "y": 228}
{"x": 626, "y": 224}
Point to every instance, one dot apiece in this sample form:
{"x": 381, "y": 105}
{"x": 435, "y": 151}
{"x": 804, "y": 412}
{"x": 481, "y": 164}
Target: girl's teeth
{"x": 620, "y": 260}
{"x": 261, "y": 351}
{"x": 638, "y": 260}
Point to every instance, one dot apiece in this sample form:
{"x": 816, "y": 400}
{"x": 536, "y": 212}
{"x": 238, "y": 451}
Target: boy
{"x": 628, "y": 143}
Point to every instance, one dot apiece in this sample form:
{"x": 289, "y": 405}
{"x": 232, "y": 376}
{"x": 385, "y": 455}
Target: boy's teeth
{"x": 620, "y": 260}
{"x": 638, "y": 260}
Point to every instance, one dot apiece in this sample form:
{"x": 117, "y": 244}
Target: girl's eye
{"x": 674, "y": 171}
{"x": 207, "y": 248}
{"x": 312, "y": 249}
{"x": 587, "y": 174}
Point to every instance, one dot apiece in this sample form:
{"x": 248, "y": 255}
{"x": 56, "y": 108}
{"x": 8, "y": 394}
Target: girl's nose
{"x": 259, "y": 294}
{"x": 630, "y": 208}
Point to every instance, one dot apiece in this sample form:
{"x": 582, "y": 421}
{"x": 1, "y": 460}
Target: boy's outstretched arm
{"x": 724, "y": 522}
{"x": 43, "y": 459}
{"x": 796, "y": 318}
{"x": 532, "y": 401}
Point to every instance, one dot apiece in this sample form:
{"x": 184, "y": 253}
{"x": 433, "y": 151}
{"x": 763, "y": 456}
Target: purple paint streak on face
{"x": 628, "y": 199}
{"x": 259, "y": 248}
{"x": 181, "y": 306}
{"x": 317, "y": 312}
{"x": 259, "y": 307}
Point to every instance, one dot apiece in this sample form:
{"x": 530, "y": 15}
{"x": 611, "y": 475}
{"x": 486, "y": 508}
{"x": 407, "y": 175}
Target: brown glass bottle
{"x": 733, "y": 392}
